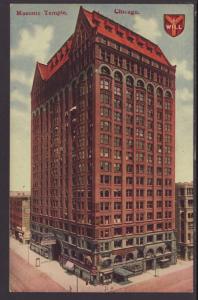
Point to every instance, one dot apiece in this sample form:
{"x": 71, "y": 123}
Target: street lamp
{"x": 155, "y": 259}
{"x": 28, "y": 254}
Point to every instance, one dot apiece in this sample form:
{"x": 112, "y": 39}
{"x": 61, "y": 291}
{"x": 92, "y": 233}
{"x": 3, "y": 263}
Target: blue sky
{"x": 36, "y": 38}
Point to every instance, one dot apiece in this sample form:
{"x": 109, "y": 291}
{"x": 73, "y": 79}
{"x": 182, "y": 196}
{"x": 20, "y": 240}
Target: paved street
{"x": 25, "y": 278}
{"x": 178, "y": 281}
{"x": 51, "y": 277}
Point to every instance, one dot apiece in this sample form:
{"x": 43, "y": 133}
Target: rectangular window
{"x": 129, "y": 168}
{"x": 105, "y": 166}
{"x": 129, "y": 218}
{"x": 117, "y": 179}
{"x": 117, "y": 167}
{"x": 129, "y": 192}
{"x": 117, "y": 90}
{"x": 105, "y": 152}
{"x": 117, "y": 103}
{"x": 105, "y": 125}
{"x": 117, "y": 142}
{"x": 105, "y": 98}
{"x": 117, "y": 129}
{"x": 104, "y": 84}
{"x": 117, "y": 116}
{"x": 129, "y": 205}
{"x": 105, "y": 112}
{"x": 117, "y": 154}
{"x": 129, "y": 180}
{"x": 139, "y": 169}
{"x": 105, "y": 139}
{"x": 105, "y": 179}
{"x": 117, "y": 243}
{"x": 129, "y": 119}
{"x": 117, "y": 205}
{"x": 129, "y": 242}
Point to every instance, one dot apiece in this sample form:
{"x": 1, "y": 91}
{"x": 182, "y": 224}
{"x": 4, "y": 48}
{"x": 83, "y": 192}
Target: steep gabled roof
{"x": 58, "y": 59}
{"x": 126, "y": 37}
{"x": 117, "y": 32}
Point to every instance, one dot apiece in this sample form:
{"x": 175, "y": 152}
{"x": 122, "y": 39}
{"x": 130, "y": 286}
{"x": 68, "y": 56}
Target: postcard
{"x": 101, "y": 148}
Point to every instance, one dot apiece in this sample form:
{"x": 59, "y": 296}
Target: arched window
{"x": 118, "y": 259}
{"x": 150, "y": 89}
{"x": 168, "y": 248}
{"x": 129, "y": 81}
{"x": 149, "y": 253}
{"x": 140, "y": 83}
{"x": 159, "y": 250}
{"x": 105, "y": 70}
{"x": 140, "y": 254}
{"x": 129, "y": 256}
{"x": 118, "y": 77}
{"x": 168, "y": 94}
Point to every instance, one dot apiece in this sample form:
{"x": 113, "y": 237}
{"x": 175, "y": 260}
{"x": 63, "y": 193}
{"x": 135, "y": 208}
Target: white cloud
{"x": 17, "y": 95}
{"x": 182, "y": 69}
{"x": 184, "y": 95}
{"x": 20, "y": 139}
{"x": 21, "y": 77}
{"x": 184, "y": 135}
{"x": 149, "y": 28}
{"x": 34, "y": 43}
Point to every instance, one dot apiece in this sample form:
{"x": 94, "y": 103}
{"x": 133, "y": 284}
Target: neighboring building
{"x": 103, "y": 152}
{"x": 20, "y": 215}
{"x": 184, "y": 219}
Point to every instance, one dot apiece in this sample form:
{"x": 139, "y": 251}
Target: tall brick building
{"x": 19, "y": 207}
{"x": 103, "y": 152}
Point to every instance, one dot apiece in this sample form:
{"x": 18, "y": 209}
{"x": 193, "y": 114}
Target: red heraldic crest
{"x": 174, "y": 24}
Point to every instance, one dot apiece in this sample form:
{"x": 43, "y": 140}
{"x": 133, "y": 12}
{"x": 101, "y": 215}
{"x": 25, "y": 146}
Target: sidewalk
{"x": 59, "y": 275}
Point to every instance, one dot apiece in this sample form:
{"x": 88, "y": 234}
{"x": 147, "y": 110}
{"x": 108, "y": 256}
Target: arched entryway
{"x": 56, "y": 251}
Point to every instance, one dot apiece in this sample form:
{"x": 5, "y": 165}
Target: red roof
{"x": 120, "y": 34}
{"x": 117, "y": 33}
{"x": 59, "y": 58}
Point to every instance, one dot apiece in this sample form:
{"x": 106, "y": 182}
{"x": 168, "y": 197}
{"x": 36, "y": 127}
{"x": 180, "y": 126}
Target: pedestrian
{"x": 87, "y": 282}
{"x": 70, "y": 288}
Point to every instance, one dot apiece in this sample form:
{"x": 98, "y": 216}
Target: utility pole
{"x": 155, "y": 266}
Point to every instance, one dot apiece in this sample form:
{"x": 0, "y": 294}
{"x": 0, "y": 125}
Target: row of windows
{"x": 106, "y": 138}
{"x": 107, "y": 166}
{"x": 136, "y": 229}
{"x": 140, "y": 145}
{"x": 132, "y": 66}
{"x": 130, "y": 192}
{"x": 132, "y": 218}
{"x": 117, "y": 205}
{"x": 106, "y": 85}
{"x": 130, "y": 180}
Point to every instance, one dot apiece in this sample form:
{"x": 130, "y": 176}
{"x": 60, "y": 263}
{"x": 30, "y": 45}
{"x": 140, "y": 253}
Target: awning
{"x": 122, "y": 272}
{"x": 164, "y": 260}
{"x": 69, "y": 265}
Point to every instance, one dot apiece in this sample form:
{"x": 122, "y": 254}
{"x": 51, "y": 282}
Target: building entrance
{"x": 149, "y": 264}
{"x": 56, "y": 251}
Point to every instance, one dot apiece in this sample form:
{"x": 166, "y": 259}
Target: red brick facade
{"x": 103, "y": 151}
{"x": 20, "y": 215}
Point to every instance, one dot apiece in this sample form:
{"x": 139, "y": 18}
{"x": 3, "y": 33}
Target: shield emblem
{"x": 174, "y": 24}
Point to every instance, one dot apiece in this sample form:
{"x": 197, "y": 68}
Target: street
{"x": 25, "y": 278}
{"x": 178, "y": 282}
{"x": 51, "y": 277}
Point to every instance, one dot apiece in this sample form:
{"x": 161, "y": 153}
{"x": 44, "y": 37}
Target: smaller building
{"x": 184, "y": 219}
{"x": 20, "y": 216}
